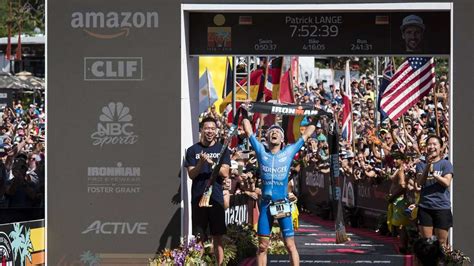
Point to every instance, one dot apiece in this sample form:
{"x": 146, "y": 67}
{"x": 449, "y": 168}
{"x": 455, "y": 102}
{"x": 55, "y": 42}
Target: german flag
{"x": 291, "y": 125}
{"x": 256, "y": 81}
{"x": 286, "y": 90}
{"x": 272, "y": 83}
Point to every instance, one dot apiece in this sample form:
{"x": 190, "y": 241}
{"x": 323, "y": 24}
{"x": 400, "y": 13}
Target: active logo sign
{"x": 116, "y": 228}
{"x": 115, "y": 126}
{"x": 113, "y": 68}
{"x": 111, "y": 25}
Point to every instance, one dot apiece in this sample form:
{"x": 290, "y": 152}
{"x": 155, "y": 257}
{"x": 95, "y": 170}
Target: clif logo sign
{"x": 113, "y": 68}
{"x": 111, "y": 25}
{"x": 115, "y": 126}
{"x": 116, "y": 228}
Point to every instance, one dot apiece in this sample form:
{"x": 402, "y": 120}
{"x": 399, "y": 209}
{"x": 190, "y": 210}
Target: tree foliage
{"x": 30, "y": 14}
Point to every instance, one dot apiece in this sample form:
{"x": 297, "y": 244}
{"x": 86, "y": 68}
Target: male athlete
{"x": 412, "y": 32}
{"x": 274, "y": 164}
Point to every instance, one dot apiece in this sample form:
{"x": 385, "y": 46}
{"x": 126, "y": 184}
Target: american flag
{"x": 413, "y": 80}
{"x": 347, "y": 109}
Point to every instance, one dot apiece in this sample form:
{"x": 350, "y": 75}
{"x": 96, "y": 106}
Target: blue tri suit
{"x": 274, "y": 172}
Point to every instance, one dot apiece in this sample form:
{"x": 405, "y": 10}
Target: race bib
{"x": 280, "y": 209}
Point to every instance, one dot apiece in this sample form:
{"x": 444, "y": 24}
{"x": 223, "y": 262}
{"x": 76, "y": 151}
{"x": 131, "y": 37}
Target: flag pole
{"x": 208, "y": 89}
{"x": 290, "y": 77}
{"x": 249, "y": 70}
{"x": 277, "y": 93}
{"x": 279, "y": 81}
{"x": 233, "y": 87}
{"x": 265, "y": 80}
{"x": 376, "y": 87}
{"x": 9, "y": 25}
{"x": 352, "y": 129}
{"x": 404, "y": 139}
{"x": 347, "y": 84}
{"x": 225, "y": 78}
{"x": 436, "y": 108}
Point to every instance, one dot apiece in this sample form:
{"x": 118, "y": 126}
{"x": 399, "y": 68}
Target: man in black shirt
{"x": 200, "y": 159}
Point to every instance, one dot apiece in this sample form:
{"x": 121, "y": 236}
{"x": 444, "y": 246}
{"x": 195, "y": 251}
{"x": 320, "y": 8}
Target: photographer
{"x": 362, "y": 167}
{"x": 311, "y": 156}
{"x": 21, "y": 191}
{"x": 323, "y": 155}
{"x": 369, "y": 170}
{"x": 347, "y": 163}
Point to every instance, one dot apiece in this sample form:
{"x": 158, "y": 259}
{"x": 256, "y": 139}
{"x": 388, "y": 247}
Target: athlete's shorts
{"x": 442, "y": 219}
{"x": 265, "y": 221}
{"x": 214, "y": 217}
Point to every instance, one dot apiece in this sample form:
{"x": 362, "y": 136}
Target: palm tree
{"x": 15, "y": 236}
{"x": 89, "y": 259}
{"x": 26, "y": 247}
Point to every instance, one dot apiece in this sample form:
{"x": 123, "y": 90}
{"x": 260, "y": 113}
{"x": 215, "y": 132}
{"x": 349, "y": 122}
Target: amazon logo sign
{"x": 111, "y": 25}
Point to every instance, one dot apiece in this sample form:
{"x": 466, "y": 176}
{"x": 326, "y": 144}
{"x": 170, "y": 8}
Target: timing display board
{"x": 349, "y": 33}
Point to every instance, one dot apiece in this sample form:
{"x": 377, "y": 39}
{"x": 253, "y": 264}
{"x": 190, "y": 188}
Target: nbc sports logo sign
{"x": 115, "y": 126}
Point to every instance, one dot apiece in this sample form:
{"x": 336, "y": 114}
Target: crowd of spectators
{"x": 380, "y": 149}
{"x": 368, "y": 156}
{"x": 22, "y": 154}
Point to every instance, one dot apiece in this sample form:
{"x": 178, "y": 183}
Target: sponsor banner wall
{"x": 241, "y": 210}
{"x": 365, "y": 194}
{"x": 349, "y": 192}
{"x": 113, "y": 141}
{"x": 315, "y": 188}
{"x": 372, "y": 196}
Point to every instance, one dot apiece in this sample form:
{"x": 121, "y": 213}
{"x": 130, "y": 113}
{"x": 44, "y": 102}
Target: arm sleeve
{"x": 226, "y": 159}
{"x": 295, "y": 147}
{"x": 419, "y": 167}
{"x": 256, "y": 145}
{"x": 190, "y": 159}
{"x": 447, "y": 168}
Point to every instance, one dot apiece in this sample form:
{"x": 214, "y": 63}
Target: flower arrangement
{"x": 188, "y": 253}
{"x": 245, "y": 239}
{"x": 277, "y": 246}
{"x": 455, "y": 257}
{"x": 240, "y": 242}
